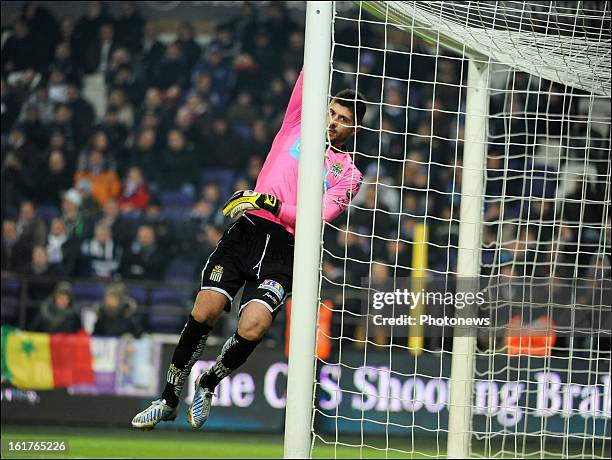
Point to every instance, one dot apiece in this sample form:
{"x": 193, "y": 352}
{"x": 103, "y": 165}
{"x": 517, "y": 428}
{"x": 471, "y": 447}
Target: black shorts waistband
{"x": 273, "y": 229}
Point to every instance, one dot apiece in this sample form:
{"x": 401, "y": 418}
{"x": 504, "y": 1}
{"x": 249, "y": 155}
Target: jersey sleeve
{"x": 293, "y": 115}
{"x": 338, "y": 197}
{"x": 335, "y": 201}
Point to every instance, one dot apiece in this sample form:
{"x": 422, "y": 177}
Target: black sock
{"x": 187, "y": 351}
{"x": 234, "y": 354}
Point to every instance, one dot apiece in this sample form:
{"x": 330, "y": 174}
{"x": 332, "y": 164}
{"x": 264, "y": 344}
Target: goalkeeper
{"x": 257, "y": 252}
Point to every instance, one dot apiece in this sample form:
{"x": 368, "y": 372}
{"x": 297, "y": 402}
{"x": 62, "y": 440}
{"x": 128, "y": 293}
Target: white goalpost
{"x": 308, "y": 231}
{"x": 486, "y": 158}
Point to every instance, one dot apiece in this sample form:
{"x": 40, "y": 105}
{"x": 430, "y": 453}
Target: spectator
{"x": 294, "y": 54}
{"x": 203, "y": 243}
{"x": 78, "y": 225}
{"x": 162, "y": 226}
{"x": 242, "y": 110}
{"x": 200, "y": 215}
{"x": 11, "y": 104}
{"x": 221, "y": 76}
{"x": 273, "y": 99}
{"x": 21, "y": 146}
{"x": 15, "y": 250}
{"x": 39, "y": 267}
{"x": 265, "y": 54}
{"x": 100, "y": 51}
{"x": 173, "y": 69}
{"x": 88, "y": 28}
{"x": 211, "y": 193}
{"x": 278, "y": 24}
{"x": 22, "y": 51}
{"x": 190, "y": 49}
{"x": 260, "y": 142}
{"x": 62, "y": 124}
{"x": 134, "y": 193}
{"x": 380, "y": 275}
{"x": 184, "y": 123}
{"x": 58, "y": 313}
{"x": 244, "y": 27}
{"x": 145, "y": 259}
{"x": 40, "y": 100}
{"x": 152, "y": 104}
{"x": 198, "y": 110}
{"x": 116, "y": 131}
{"x": 102, "y": 181}
{"x": 57, "y": 141}
{"x": 29, "y": 226}
{"x": 125, "y": 112}
{"x": 56, "y": 240}
{"x": 226, "y": 149}
{"x": 89, "y": 206}
{"x": 64, "y": 63}
{"x": 54, "y": 180}
{"x": 34, "y": 129}
{"x": 179, "y": 166}
{"x": 117, "y": 314}
{"x": 146, "y": 155}
{"x": 45, "y": 26}
{"x": 100, "y": 256}
{"x": 82, "y": 111}
{"x": 121, "y": 228}
{"x": 254, "y": 166}
{"x": 373, "y": 212}
{"x": 15, "y": 184}
{"x": 152, "y": 50}
{"x": 224, "y": 37}
{"x": 58, "y": 87}
{"x": 67, "y": 26}
{"x": 129, "y": 26}
{"x": 121, "y": 57}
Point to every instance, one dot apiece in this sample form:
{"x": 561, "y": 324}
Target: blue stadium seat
{"x": 10, "y": 287}
{"x": 169, "y": 319}
{"x": 138, "y": 293}
{"x": 224, "y": 178}
{"x": 88, "y": 291}
{"x": 172, "y": 198}
{"x": 175, "y": 213}
{"x": 168, "y": 296}
{"x": 48, "y": 212}
{"x": 180, "y": 270}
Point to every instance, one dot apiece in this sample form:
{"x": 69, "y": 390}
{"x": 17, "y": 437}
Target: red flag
{"x": 71, "y": 359}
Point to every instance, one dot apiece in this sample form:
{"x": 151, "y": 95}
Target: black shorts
{"x": 256, "y": 253}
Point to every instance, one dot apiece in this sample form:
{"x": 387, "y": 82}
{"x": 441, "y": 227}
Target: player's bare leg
{"x": 207, "y": 309}
{"x": 254, "y": 323}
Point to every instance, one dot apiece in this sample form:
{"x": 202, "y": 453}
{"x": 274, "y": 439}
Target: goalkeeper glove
{"x": 248, "y": 200}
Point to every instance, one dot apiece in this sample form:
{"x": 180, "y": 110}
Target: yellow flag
{"x": 28, "y": 359}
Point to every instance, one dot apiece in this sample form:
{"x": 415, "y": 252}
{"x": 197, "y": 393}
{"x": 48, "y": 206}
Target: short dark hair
{"x": 353, "y": 100}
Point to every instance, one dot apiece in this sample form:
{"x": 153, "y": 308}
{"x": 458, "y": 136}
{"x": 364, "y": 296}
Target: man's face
{"x": 339, "y": 124}
{"x": 102, "y": 234}
{"x": 146, "y": 237}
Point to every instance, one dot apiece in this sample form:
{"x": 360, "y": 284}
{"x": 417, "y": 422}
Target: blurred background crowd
{"x": 121, "y": 143}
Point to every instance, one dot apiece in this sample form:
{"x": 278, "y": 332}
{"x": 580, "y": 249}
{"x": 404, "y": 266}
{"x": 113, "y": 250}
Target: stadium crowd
{"x": 131, "y": 189}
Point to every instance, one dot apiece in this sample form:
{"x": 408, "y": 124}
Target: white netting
{"x": 566, "y": 42}
{"x": 545, "y": 231}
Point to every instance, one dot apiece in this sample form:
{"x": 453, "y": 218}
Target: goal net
{"x": 485, "y": 152}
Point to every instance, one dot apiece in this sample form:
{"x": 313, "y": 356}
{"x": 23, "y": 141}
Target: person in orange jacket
{"x": 101, "y": 181}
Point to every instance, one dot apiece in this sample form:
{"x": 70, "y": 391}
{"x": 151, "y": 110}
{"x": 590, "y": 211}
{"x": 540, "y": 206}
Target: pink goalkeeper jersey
{"x": 279, "y": 174}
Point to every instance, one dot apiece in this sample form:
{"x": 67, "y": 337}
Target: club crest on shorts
{"x": 273, "y": 286}
{"x": 216, "y": 273}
